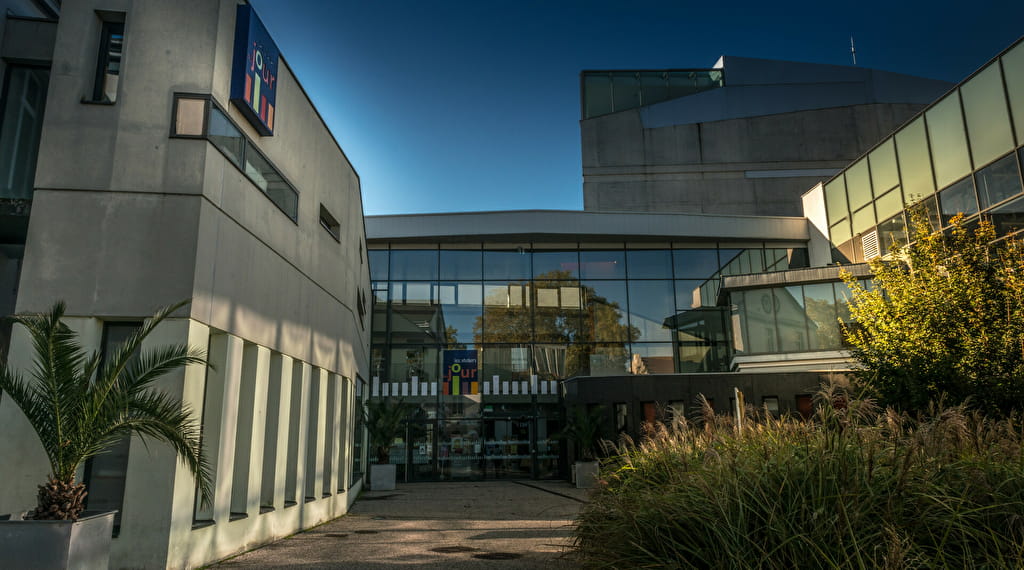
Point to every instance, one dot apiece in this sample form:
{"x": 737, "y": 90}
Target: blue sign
{"x": 459, "y": 376}
{"x": 254, "y": 71}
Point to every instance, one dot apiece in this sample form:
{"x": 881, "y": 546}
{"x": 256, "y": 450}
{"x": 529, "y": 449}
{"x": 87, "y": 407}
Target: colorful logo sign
{"x": 254, "y": 71}
{"x": 460, "y": 373}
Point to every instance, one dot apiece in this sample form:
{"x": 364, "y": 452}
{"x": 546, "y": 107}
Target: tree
{"x": 79, "y": 406}
{"x": 945, "y": 318}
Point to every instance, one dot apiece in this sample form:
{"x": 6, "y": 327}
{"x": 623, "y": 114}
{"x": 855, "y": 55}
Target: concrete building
{"x": 171, "y": 166}
{"x": 746, "y": 136}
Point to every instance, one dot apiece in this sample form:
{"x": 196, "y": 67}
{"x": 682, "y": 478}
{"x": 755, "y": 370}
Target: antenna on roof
{"x": 853, "y": 51}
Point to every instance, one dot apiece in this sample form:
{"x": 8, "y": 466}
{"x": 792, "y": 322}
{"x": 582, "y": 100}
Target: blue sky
{"x": 474, "y": 105}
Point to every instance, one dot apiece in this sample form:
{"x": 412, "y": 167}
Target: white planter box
{"x": 382, "y": 477}
{"x": 586, "y": 474}
{"x": 82, "y": 544}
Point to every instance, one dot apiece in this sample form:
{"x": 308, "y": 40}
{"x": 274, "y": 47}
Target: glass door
{"x": 421, "y": 452}
{"x": 459, "y": 450}
{"x": 508, "y": 448}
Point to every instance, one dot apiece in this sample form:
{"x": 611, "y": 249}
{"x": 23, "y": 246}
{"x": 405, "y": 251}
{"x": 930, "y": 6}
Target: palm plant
{"x": 80, "y": 406}
{"x": 385, "y": 421}
{"x": 584, "y": 427}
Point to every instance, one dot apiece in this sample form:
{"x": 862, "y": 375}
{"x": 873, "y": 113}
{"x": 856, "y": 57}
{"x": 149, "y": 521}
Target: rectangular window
{"x": 24, "y": 102}
{"x": 226, "y": 137}
{"x": 988, "y": 120}
{"x": 958, "y": 199}
{"x": 947, "y": 140}
{"x": 230, "y": 141}
{"x": 264, "y": 175}
{"x": 892, "y": 233}
{"x": 330, "y": 224}
{"x": 106, "y": 473}
{"x": 835, "y": 199}
{"x": 1013, "y": 74}
{"x": 884, "y": 174}
{"x": 621, "y": 417}
{"x": 998, "y": 181}
{"x": 771, "y": 405}
{"x": 915, "y": 161}
{"x": 190, "y": 115}
{"x": 108, "y": 62}
{"x": 805, "y": 406}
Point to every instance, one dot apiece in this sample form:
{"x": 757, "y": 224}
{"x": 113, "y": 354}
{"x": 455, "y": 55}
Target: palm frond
{"x": 79, "y": 409}
{"x": 158, "y": 416}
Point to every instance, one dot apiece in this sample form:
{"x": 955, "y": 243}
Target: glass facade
{"x": 607, "y": 92}
{"x": 960, "y": 156}
{"x": 515, "y": 321}
{"x": 795, "y": 318}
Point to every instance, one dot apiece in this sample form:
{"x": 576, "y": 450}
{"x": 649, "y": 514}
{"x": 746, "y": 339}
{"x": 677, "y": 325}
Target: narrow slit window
{"x": 329, "y": 223}
{"x": 108, "y": 63}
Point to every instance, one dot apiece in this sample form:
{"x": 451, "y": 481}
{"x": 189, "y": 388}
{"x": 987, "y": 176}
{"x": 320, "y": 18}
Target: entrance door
{"x": 421, "y": 452}
{"x": 508, "y": 448}
{"x": 460, "y": 450}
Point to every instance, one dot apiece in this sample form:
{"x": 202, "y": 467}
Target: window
{"x": 108, "y": 62}
{"x": 228, "y": 139}
{"x": 105, "y": 474}
{"x": 190, "y": 115}
{"x": 333, "y": 227}
{"x": 264, "y": 175}
{"x": 621, "y": 417}
{"x": 24, "y": 102}
{"x": 805, "y": 406}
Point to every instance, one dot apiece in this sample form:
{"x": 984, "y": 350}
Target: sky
{"x": 448, "y": 106}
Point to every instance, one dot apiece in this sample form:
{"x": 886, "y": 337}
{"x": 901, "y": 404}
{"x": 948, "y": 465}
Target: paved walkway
{"x": 493, "y": 524}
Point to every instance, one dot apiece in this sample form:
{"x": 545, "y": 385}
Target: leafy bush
{"x": 856, "y": 487}
{"x": 945, "y": 316}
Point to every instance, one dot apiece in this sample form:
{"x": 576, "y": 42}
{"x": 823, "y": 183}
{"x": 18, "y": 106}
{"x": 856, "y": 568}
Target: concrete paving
{"x": 490, "y": 524}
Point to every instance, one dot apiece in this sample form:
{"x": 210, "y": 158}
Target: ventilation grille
{"x": 869, "y": 244}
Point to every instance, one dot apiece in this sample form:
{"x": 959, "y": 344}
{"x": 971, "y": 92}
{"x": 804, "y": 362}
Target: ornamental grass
{"x": 854, "y": 486}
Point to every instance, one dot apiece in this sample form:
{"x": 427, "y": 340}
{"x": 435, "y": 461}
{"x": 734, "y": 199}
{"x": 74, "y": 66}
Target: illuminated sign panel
{"x": 254, "y": 71}
{"x": 460, "y": 373}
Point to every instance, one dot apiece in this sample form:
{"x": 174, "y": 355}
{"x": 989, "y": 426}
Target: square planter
{"x": 382, "y": 477}
{"x": 586, "y": 474}
{"x": 84, "y": 543}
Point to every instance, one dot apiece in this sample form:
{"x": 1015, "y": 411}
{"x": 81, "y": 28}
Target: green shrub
{"x": 855, "y": 487}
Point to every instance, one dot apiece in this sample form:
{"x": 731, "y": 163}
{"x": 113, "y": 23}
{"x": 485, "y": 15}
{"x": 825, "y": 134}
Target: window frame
{"x": 178, "y": 96}
{"x": 107, "y": 20}
{"x": 242, "y": 160}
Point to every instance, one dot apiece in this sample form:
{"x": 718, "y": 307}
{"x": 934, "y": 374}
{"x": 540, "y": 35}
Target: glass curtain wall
{"x": 797, "y": 318}
{"x": 960, "y": 156}
{"x": 479, "y": 336}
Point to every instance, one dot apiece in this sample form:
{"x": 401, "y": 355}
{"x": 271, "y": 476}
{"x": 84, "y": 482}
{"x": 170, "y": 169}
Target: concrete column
{"x": 222, "y": 394}
{"x": 299, "y": 464}
{"x": 254, "y": 412}
{"x": 334, "y": 424}
{"x": 160, "y": 491}
{"x": 275, "y": 448}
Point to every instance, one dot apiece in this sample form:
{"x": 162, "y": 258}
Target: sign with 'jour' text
{"x": 254, "y": 71}
{"x": 459, "y": 375}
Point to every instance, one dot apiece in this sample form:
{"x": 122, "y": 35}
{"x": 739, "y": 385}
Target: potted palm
{"x": 79, "y": 406}
{"x": 385, "y": 421}
{"x": 583, "y": 429}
